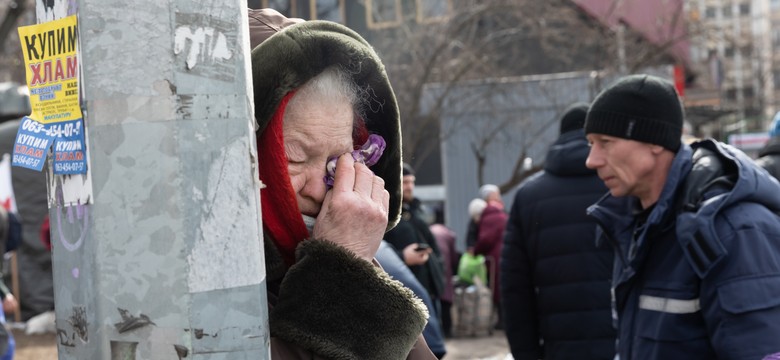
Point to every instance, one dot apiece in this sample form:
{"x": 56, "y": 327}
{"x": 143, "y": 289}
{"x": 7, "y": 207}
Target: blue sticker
{"x": 32, "y": 145}
{"x": 69, "y": 151}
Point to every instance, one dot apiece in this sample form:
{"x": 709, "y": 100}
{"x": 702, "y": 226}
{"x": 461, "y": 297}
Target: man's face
{"x": 408, "y": 187}
{"x": 627, "y": 167}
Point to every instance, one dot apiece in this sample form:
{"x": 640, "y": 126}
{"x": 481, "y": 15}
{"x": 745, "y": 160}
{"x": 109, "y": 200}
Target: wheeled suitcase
{"x": 472, "y": 309}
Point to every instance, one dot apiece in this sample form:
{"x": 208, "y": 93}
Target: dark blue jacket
{"x": 701, "y": 280}
{"x": 555, "y": 280}
{"x": 397, "y": 269}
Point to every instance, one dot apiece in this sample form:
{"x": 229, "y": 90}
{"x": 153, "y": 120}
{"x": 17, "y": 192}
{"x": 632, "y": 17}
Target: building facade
{"x": 734, "y": 55}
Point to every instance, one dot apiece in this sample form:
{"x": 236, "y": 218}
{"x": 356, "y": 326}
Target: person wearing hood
{"x": 554, "y": 277}
{"x": 329, "y": 154}
{"x": 769, "y": 156}
{"x": 695, "y": 228}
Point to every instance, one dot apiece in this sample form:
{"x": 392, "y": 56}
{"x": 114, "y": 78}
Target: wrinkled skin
{"x": 315, "y": 129}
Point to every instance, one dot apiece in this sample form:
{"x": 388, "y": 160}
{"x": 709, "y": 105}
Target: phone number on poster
{"x": 69, "y": 167}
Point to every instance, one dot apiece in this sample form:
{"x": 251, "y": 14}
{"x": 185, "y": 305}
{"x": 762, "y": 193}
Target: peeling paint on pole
{"x": 219, "y": 260}
{"x": 210, "y": 43}
{"x": 158, "y": 251}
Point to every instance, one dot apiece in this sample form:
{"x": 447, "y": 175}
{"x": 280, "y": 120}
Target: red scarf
{"x": 281, "y": 217}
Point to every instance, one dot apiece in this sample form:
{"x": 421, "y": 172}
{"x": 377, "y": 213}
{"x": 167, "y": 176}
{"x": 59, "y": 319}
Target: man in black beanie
{"x": 416, "y": 246}
{"x": 694, "y": 227}
{"x": 554, "y": 277}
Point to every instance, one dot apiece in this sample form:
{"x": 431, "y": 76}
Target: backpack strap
{"x": 709, "y": 176}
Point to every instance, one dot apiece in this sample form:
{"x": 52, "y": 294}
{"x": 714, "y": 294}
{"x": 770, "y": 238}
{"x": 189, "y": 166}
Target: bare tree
{"x": 494, "y": 39}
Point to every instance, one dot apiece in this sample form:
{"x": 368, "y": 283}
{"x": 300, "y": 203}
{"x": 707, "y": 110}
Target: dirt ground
{"x": 35, "y": 347}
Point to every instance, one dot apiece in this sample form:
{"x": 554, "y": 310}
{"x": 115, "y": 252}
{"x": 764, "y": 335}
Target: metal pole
{"x": 157, "y": 250}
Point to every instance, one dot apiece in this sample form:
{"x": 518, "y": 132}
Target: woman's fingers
{"x": 379, "y": 194}
{"x": 344, "y": 180}
{"x": 364, "y": 180}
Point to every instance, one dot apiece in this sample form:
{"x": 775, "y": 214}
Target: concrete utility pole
{"x": 157, "y": 251}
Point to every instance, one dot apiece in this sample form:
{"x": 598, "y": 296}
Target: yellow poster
{"x": 51, "y": 60}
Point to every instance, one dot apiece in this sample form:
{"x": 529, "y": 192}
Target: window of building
{"x": 710, "y": 11}
{"x": 727, "y": 11}
{"x": 776, "y": 75}
{"x": 729, "y": 51}
{"x": 285, "y": 7}
{"x": 776, "y": 35}
{"x": 731, "y": 94}
{"x": 254, "y": 4}
{"x": 332, "y": 10}
{"x": 383, "y": 13}
{"x": 747, "y": 93}
{"x": 432, "y": 10}
{"x": 744, "y": 9}
{"x": 746, "y": 51}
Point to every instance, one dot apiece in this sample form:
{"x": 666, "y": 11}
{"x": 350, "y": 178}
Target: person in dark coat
{"x": 769, "y": 156}
{"x": 415, "y": 245}
{"x": 395, "y": 267}
{"x": 555, "y": 279}
{"x": 695, "y": 229}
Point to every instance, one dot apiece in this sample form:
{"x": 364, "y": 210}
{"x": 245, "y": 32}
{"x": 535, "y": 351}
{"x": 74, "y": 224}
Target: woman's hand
{"x": 354, "y": 212}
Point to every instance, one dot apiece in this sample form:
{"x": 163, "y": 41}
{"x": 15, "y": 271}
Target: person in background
{"x": 397, "y": 269}
{"x": 487, "y": 193}
{"x": 445, "y": 239}
{"x": 554, "y": 277}
{"x": 34, "y": 266}
{"x": 490, "y": 236}
{"x": 10, "y": 238}
{"x": 769, "y": 156}
{"x": 695, "y": 229}
{"x": 476, "y": 206}
{"x": 492, "y": 195}
{"x": 415, "y": 245}
{"x": 324, "y": 107}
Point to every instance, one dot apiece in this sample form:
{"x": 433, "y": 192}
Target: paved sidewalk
{"x": 492, "y": 347}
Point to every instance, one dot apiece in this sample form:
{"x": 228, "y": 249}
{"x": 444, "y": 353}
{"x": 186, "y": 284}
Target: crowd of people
{"x": 679, "y": 241}
{"x": 629, "y": 243}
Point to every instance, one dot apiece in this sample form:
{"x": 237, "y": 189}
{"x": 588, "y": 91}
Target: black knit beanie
{"x": 407, "y": 170}
{"x": 574, "y": 117}
{"x": 644, "y": 108}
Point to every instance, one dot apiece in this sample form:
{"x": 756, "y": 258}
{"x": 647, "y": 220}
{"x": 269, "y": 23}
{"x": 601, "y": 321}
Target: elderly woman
{"x": 321, "y": 92}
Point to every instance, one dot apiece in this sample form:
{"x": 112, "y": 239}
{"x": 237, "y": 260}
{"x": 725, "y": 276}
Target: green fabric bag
{"x": 471, "y": 266}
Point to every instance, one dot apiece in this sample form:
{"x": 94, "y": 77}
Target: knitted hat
{"x": 574, "y": 117}
{"x": 408, "y": 170}
{"x": 476, "y": 207}
{"x": 644, "y": 108}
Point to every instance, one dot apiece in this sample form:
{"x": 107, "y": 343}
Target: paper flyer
{"x": 50, "y": 53}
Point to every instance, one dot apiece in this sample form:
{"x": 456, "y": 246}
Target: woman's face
{"x": 315, "y": 128}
